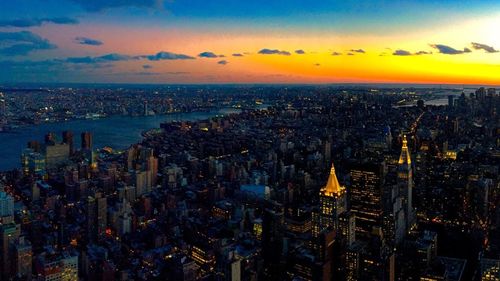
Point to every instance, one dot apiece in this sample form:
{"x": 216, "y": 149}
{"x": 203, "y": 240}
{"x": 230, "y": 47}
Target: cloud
{"x": 423, "y": 53}
{"x": 350, "y": 54}
{"x": 486, "y": 48}
{"x": 166, "y": 56}
{"x": 115, "y": 57}
{"x": 22, "y": 43}
{"x": 88, "y": 41}
{"x": 46, "y": 67}
{"x": 146, "y": 73}
{"x": 99, "y": 5}
{"x": 83, "y": 66}
{"x": 274, "y": 52}
{"x": 361, "y": 51}
{"x": 51, "y": 69}
{"x": 139, "y": 73}
{"x": 28, "y": 64}
{"x": 28, "y": 70}
{"x": 447, "y": 50}
{"x": 401, "y": 53}
{"x": 336, "y": 54}
{"x": 176, "y": 72}
{"x": 36, "y": 22}
{"x": 223, "y": 62}
{"x": 300, "y": 52}
{"x": 209, "y": 55}
{"x": 100, "y": 59}
{"x": 237, "y": 55}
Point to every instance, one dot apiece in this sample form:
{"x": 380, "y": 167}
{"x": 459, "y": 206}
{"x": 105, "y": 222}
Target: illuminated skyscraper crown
{"x": 404, "y": 158}
{"x": 333, "y": 187}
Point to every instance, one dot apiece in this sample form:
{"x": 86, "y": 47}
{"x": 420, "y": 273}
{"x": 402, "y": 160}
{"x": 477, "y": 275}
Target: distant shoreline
{"x": 26, "y": 125}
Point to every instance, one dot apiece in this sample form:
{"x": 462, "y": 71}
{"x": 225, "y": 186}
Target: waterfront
{"x": 437, "y": 100}
{"x": 118, "y": 132}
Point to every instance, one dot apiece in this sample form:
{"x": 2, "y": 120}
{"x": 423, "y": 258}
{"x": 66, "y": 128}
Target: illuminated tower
{"x": 332, "y": 203}
{"x": 333, "y": 226}
{"x": 405, "y": 183}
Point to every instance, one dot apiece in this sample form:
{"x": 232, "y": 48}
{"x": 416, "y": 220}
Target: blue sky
{"x": 56, "y": 31}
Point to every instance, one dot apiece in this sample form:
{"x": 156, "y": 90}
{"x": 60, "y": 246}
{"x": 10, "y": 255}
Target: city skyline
{"x": 231, "y": 140}
{"x": 240, "y": 183}
{"x": 429, "y": 42}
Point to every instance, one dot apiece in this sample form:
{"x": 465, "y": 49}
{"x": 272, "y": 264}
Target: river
{"x": 118, "y": 132}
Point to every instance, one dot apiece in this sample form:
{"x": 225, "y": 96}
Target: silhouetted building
{"x": 272, "y": 242}
{"x": 86, "y": 140}
{"x": 68, "y": 139}
{"x": 366, "y": 196}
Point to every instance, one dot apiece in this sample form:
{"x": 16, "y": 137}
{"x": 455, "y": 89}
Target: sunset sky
{"x": 235, "y": 41}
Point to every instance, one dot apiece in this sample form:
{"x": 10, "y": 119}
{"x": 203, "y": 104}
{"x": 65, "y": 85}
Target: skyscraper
{"x": 56, "y": 155}
{"x": 333, "y": 226}
{"x": 366, "y": 196}
{"x": 272, "y": 242}
{"x": 91, "y": 212}
{"x": 68, "y": 139}
{"x": 6, "y": 207}
{"x": 146, "y": 110}
{"x": 86, "y": 140}
{"x": 101, "y": 213}
{"x": 332, "y": 201}
{"x": 50, "y": 138}
{"x": 9, "y": 233}
{"x": 405, "y": 183}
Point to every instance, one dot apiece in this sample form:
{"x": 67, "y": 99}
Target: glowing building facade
{"x": 405, "y": 183}
{"x": 333, "y": 202}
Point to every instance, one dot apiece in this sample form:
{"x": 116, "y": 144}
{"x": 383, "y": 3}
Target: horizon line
{"x": 373, "y": 84}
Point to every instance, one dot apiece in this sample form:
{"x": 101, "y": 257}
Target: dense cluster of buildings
{"x": 20, "y": 106}
{"x": 322, "y": 185}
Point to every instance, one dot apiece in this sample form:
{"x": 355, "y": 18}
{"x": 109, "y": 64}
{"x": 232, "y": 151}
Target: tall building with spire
{"x": 332, "y": 225}
{"x": 405, "y": 183}
{"x": 332, "y": 203}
